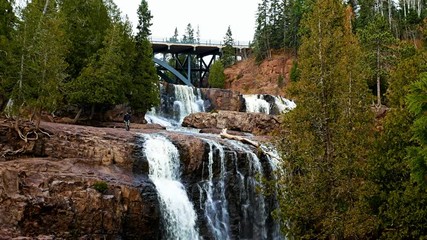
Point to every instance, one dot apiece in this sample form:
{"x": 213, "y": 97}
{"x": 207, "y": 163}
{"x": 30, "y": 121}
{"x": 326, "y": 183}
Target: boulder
{"x": 223, "y": 99}
{"x": 255, "y": 123}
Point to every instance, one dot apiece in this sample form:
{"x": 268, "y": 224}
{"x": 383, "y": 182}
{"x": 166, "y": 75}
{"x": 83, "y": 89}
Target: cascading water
{"x": 175, "y": 107}
{"x": 254, "y": 205}
{"x": 215, "y": 202}
{"x": 227, "y": 202}
{"x": 187, "y": 102}
{"x": 268, "y": 104}
{"x": 256, "y": 104}
{"x": 178, "y": 213}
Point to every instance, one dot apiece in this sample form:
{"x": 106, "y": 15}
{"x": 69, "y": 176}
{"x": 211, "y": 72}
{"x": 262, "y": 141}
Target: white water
{"x": 256, "y": 104}
{"x": 185, "y": 102}
{"x": 284, "y": 105}
{"x": 258, "y": 205}
{"x": 177, "y": 210}
{"x": 216, "y": 204}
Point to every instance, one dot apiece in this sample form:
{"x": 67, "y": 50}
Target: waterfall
{"x": 268, "y": 104}
{"x": 284, "y": 105}
{"x": 178, "y": 214}
{"x": 175, "y": 106}
{"x": 215, "y": 202}
{"x": 256, "y": 104}
{"x": 253, "y": 209}
{"x": 187, "y": 102}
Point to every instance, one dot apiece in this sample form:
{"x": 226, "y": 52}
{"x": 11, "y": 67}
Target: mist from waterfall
{"x": 178, "y": 213}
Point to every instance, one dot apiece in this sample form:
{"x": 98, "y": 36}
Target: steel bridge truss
{"x": 186, "y": 63}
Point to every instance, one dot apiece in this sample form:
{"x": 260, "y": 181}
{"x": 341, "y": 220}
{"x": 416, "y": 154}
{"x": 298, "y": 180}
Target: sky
{"x": 211, "y": 16}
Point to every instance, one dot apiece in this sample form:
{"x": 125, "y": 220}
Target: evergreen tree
{"x": 228, "y": 55}
{"x": 261, "y": 45}
{"x": 86, "y": 23}
{"x": 8, "y": 21}
{"x": 293, "y": 13}
{"x": 144, "y": 21}
{"x": 417, "y": 105}
{"x": 399, "y": 202}
{"x": 174, "y": 38}
{"x": 188, "y": 37}
{"x": 327, "y": 136}
{"x": 216, "y": 75}
{"x": 104, "y": 81}
{"x": 144, "y": 92}
{"x": 276, "y": 23}
{"x": 377, "y": 40}
{"x": 43, "y": 48}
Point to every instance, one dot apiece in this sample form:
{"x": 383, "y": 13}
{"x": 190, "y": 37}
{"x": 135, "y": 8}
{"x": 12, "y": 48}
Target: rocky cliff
{"x": 92, "y": 183}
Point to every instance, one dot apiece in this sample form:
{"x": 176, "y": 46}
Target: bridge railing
{"x": 201, "y": 42}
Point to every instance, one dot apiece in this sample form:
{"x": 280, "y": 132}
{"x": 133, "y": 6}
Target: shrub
{"x": 100, "y": 186}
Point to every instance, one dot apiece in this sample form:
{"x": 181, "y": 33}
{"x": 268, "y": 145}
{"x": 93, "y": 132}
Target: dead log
{"x": 224, "y": 134}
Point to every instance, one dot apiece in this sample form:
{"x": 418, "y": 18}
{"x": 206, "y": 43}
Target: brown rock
{"x": 223, "y": 99}
{"x": 256, "y": 123}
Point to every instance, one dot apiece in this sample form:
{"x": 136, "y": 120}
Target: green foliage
{"x": 377, "y": 40}
{"x": 326, "y": 138}
{"x": 228, "y": 55}
{"x": 295, "y": 72}
{"x": 103, "y": 82}
{"x": 280, "y": 81}
{"x": 216, "y": 75}
{"x": 144, "y": 21}
{"x": 174, "y": 38}
{"x": 42, "y": 65}
{"x": 417, "y": 105}
{"x": 86, "y": 23}
{"x": 8, "y": 22}
{"x": 188, "y": 37}
{"x": 144, "y": 89}
{"x": 100, "y": 186}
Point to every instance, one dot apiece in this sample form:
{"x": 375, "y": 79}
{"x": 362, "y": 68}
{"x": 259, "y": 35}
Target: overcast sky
{"x": 211, "y": 16}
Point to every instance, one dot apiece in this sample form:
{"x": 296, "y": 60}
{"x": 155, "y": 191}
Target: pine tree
{"x": 261, "y": 43}
{"x": 8, "y": 21}
{"x": 399, "y": 201}
{"x": 377, "y": 40}
{"x": 188, "y": 37}
{"x": 326, "y": 138}
{"x": 104, "y": 81}
{"x": 144, "y": 92}
{"x": 417, "y": 105}
{"x": 86, "y": 23}
{"x": 43, "y": 47}
{"x": 174, "y": 38}
{"x": 228, "y": 55}
{"x": 216, "y": 75}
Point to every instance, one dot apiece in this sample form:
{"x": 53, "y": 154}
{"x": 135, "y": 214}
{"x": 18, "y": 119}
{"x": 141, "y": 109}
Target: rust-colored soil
{"x": 248, "y": 77}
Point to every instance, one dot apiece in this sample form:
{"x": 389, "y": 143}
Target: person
{"x": 126, "y": 119}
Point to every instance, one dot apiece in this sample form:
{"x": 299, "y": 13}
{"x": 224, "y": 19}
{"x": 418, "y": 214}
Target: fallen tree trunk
{"x": 224, "y": 134}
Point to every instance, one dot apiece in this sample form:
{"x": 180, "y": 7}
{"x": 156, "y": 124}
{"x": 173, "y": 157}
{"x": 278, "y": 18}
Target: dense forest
{"x": 354, "y": 150}
{"x": 74, "y": 53}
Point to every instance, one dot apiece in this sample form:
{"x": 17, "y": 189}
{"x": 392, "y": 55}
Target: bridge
{"x": 189, "y": 63}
